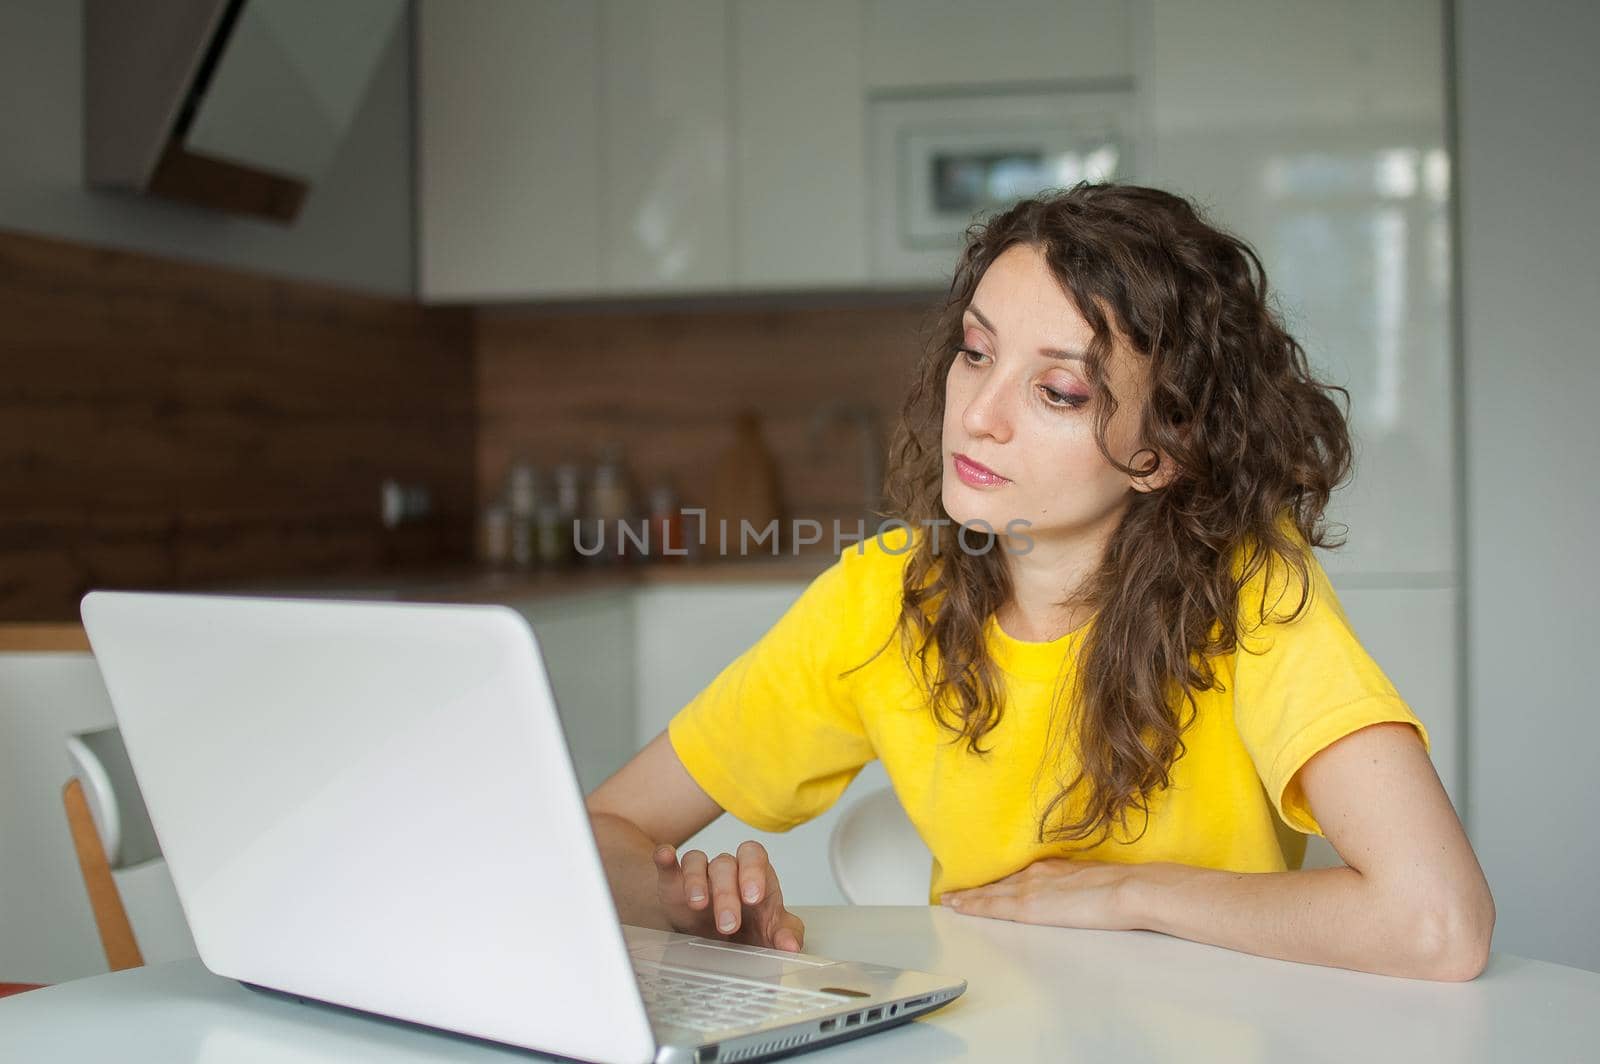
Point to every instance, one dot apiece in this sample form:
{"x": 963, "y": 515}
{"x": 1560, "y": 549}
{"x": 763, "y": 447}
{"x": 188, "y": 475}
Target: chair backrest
{"x": 100, "y": 760}
{"x": 877, "y": 856}
{"x": 105, "y": 901}
{"x": 119, "y": 855}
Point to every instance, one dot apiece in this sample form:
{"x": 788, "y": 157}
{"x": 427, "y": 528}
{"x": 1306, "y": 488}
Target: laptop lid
{"x": 373, "y": 805}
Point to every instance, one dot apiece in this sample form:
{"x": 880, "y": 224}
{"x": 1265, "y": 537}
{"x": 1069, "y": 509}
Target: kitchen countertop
{"x": 470, "y": 584}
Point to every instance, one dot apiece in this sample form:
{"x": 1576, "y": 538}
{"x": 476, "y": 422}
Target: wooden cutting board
{"x": 744, "y": 488}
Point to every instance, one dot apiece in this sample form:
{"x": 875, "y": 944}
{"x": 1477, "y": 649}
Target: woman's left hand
{"x": 1059, "y": 891}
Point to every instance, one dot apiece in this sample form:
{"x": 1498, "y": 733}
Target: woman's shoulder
{"x": 1283, "y": 582}
{"x": 862, "y": 589}
{"x": 876, "y": 564}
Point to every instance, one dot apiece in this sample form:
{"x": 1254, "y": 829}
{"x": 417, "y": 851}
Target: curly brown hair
{"x": 1257, "y": 445}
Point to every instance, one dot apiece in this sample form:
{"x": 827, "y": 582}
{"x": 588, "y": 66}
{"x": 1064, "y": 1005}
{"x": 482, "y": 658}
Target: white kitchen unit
{"x": 934, "y": 160}
{"x": 587, "y": 641}
{"x": 629, "y": 147}
{"x": 1338, "y": 176}
{"x": 920, "y": 44}
{"x": 800, "y": 174}
{"x": 508, "y": 149}
{"x": 665, "y": 144}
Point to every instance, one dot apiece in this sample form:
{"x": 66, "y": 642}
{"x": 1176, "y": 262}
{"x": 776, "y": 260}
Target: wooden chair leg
{"x": 8, "y": 989}
{"x": 116, "y": 933}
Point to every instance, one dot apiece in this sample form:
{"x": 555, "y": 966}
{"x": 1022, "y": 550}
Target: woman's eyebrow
{"x": 1048, "y": 352}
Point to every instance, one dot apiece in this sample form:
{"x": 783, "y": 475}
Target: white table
{"x": 1035, "y": 993}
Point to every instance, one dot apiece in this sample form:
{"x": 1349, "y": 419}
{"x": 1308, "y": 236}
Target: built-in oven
{"x": 938, "y": 161}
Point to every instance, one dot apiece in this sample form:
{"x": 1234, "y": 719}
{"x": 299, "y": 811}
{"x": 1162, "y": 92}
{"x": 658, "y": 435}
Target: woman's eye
{"x": 970, "y": 355}
{"x": 1062, "y": 399}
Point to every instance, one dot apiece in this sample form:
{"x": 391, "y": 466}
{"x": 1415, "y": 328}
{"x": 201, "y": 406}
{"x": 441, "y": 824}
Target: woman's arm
{"x": 640, "y": 816}
{"x": 1411, "y": 902}
{"x": 651, "y": 800}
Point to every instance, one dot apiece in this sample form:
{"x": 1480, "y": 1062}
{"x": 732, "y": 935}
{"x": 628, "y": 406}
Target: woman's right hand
{"x": 731, "y": 897}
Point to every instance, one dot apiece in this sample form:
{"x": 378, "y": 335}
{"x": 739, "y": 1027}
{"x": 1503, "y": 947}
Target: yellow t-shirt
{"x": 779, "y": 734}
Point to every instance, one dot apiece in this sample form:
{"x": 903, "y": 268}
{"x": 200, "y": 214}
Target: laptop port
{"x": 706, "y": 1054}
{"x": 874, "y": 1014}
{"x": 914, "y": 1002}
{"x": 828, "y": 1025}
{"x": 893, "y": 1009}
{"x": 853, "y": 1019}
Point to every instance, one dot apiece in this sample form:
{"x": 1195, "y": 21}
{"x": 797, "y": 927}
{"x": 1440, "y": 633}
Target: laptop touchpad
{"x": 743, "y": 961}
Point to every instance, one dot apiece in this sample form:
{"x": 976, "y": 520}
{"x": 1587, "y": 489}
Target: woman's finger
{"x": 754, "y": 870}
{"x": 791, "y": 933}
{"x": 784, "y": 930}
{"x": 669, "y": 877}
{"x": 696, "y": 880}
{"x": 726, "y": 907}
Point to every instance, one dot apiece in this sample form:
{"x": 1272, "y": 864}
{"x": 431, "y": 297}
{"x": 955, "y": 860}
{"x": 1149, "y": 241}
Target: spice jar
{"x": 494, "y": 543}
{"x": 610, "y": 507}
{"x": 522, "y": 502}
{"x": 665, "y": 528}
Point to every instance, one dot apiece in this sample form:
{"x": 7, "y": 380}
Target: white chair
{"x": 877, "y": 856}
{"x": 130, "y": 891}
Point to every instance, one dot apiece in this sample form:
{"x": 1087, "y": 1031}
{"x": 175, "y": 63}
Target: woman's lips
{"x": 975, "y": 475}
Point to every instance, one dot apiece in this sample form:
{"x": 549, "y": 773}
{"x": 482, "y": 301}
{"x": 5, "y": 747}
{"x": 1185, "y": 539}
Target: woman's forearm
{"x": 1331, "y": 916}
{"x": 625, "y": 851}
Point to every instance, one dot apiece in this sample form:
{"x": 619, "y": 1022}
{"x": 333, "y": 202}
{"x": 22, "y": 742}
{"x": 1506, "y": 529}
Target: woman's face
{"x": 1019, "y": 405}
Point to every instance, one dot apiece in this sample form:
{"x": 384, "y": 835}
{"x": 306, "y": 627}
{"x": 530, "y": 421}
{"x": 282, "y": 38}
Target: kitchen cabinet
{"x": 508, "y": 149}
{"x": 587, "y": 641}
{"x": 631, "y": 147}
{"x": 628, "y": 147}
{"x": 1340, "y": 178}
{"x": 918, "y": 44}
{"x": 571, "y": 149}
{"x": 799, "y": 144}
{"x": 665, "y": 139}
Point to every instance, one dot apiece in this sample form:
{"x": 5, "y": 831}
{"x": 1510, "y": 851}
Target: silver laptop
{"x": 373, "y": 806}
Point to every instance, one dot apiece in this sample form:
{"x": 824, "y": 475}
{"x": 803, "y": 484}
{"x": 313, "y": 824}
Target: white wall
{"x": 355, "y": 229}
{"x": 1529, "y": 166}
{"x": 47, "y": 932}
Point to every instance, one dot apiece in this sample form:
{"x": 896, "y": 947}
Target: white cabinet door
{"x": 944, "y": 43}
{"x": 686, "y": 635}
{"x": 508, "y": 149}
{"x": 668, "y": 214}
{"x": 799, "y": 153}
{"x": 1318, "y": 137}
{"x": 587, "y": 643}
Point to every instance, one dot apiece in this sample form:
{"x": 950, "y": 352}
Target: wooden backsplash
{"x": 666, "y": 385}
{"x": 174, "y": 425}
{"x": 168, "y": 425}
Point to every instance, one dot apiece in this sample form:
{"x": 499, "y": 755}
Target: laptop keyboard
{"x": 703, "y": 1001}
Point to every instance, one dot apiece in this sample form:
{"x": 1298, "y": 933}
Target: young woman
{"x": 1101, "y": 665}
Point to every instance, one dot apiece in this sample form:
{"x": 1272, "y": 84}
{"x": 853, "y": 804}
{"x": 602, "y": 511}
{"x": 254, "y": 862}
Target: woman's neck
{"x": 1052, "y": 572}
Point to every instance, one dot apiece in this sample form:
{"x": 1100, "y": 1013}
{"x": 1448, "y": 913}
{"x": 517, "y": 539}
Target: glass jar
{"x": 610, "y": 507}
{"x": 522, "y": 503}
{"x": 494, "y": 536}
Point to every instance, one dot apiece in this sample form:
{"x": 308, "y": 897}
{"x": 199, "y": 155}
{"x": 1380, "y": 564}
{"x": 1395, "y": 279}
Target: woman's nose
{"x": 987, "y": 412}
